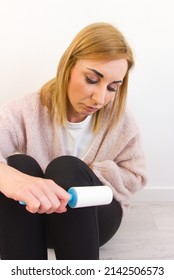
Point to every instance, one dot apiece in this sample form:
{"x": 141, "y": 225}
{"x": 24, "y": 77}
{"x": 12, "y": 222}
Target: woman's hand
{"x": 40, "y": 195}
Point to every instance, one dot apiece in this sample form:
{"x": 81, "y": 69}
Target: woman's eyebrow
{"x": 102, "y": 76}
{"x": 96, "y": 72}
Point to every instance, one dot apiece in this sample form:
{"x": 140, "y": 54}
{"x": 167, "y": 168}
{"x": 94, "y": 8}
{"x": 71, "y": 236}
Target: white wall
{"x": 34, "y": 34}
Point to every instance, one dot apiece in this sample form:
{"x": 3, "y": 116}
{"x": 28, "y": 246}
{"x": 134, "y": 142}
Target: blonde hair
{"x": 98, "y": 41}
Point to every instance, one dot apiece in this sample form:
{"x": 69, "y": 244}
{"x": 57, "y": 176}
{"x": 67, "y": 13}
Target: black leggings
{"x": 75, "y": 234}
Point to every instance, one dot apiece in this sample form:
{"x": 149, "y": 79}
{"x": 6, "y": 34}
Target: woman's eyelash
{"x": 90, "y": 81}
{"x": 111, "y": 88}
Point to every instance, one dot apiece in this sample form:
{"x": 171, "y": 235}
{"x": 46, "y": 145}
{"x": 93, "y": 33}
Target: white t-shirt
{"x": 77, "y": 137}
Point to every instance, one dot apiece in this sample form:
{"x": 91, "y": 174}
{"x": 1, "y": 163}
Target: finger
{"x": 32, "y": 203}
{"x": 43, "y": 203}
{"x": 50, "y": 196}
{"x": 62, "y": 195}
{"x": 61, "y": 210}
{"x": 58, "y": 211}
{"x": 50, "y": 191}
{"x": 37, "y": 202}
{"x": 59, "y": 191}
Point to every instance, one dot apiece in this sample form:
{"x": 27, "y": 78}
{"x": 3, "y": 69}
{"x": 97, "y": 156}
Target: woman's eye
{"x": 114, "y": 89}
{"x": 90, "y": 80}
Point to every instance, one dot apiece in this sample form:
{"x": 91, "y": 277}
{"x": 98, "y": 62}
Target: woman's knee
{"x": 65, "y": 163}
{"x": 70, "y": 171}
{"x": 109, "y": 218}
{"x": 25, "y": 164}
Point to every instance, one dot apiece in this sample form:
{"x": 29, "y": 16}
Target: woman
{"x": 76, "y": 131}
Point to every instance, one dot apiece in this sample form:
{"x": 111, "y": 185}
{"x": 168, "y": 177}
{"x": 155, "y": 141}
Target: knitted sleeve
{"x": 12, "y": 131}
{"x": 8, "y": 137}
{"x": 126, "y": 174}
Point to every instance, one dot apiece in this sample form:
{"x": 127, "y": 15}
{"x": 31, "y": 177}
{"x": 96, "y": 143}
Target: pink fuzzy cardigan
{"x": 116, "y": 154}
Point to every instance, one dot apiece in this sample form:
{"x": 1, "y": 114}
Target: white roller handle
{"x": 90, "y": 196}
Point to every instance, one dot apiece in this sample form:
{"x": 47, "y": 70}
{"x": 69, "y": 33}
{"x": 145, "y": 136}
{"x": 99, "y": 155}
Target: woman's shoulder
{"x": 128, "y": 122}
{"x": 129, "y": 116}
{"x": 22, "y": 103}
{"x": 21, "y": 99}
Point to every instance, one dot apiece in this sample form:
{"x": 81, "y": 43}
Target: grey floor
{"x": 147, "y": 232}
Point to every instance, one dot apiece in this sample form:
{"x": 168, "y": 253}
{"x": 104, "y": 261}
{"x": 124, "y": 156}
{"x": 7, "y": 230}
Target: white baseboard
{"x": 155, "y": 193}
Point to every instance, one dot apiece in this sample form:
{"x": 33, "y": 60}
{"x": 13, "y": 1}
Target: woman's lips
{"x": 91, "y": 109}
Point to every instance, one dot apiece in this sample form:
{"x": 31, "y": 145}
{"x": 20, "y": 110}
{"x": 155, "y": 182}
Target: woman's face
{"x": 93, "y": 84}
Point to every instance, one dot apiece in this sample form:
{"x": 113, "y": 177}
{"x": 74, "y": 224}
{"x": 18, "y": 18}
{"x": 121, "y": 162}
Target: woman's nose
{"x": 99, "y": 96}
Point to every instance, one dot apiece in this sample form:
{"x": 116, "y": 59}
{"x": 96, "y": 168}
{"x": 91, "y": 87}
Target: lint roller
{"x": 88, "y": 196}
